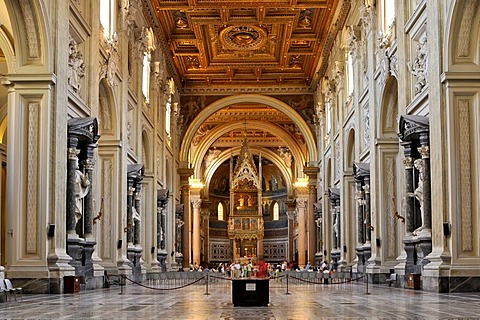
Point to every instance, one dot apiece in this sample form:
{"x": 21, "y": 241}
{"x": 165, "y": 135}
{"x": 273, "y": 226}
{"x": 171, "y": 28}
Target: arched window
{"x": 146, "y": 77}
{"x": 276, "y": 211}
{"x": 328, "y": 115}
{"x": 107, "y": 17}
{"x": 387, "y": 14}
{"x": 220, "y": 211}
{"x": 349, "y": 75}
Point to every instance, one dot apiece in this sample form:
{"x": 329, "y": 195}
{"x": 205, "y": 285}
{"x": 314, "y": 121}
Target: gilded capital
{"x": 301, "y": 202}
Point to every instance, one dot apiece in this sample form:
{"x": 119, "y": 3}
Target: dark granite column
{"x": 88, "y": 165}
{"x": 162, "y": 201}
{"x": 318, "y": 243}
{"x": 424, "y": 151}
{"x": 368, "y": 214}
{"x": 409, "y": 199}
{"x": 72, "y": 163}
{"x": 129, "y": 212}
{"x": 179, "y": 213}
{"x": 360, "y": 213}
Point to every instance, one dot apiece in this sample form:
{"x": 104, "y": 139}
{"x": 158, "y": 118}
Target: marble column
{"x": 260, "y": 248}
{"x": 196, "y": 243}
{"x": 312, "y": 226}
{"x": 186, "y": 248}
{"x": 319, "y": 235}
{"x": 301, "y": 209}
{"x": 291, "y": 227}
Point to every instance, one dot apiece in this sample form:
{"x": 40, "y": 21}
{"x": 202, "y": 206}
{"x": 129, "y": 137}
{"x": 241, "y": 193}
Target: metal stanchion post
{"x": 287, "y": 285}
{"x": 206, "y": 293}
{"x": 366, "y": 288}
{"x": 122, "y": 283}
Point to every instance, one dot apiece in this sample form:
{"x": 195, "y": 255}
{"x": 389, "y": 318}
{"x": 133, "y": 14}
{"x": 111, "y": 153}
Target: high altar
{"x": 245, "y": 225}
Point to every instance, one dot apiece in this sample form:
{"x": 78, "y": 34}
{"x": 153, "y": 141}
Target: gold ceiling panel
{"x": 246, "y": 43}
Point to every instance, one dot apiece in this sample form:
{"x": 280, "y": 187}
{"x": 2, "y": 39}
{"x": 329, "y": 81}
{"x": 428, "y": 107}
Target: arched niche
{"x": 265, "y": 153}
{"x": 33, "y": 38}
{"x": 248, "y": 98}
{"x": 350, "y": 149}
{"x": 146, "y": 151}
{"x": 217, "y": 132}
{"x": 389, "y": 110}
{"x": 463, "y": 33}
{"x": 107, "y": 112}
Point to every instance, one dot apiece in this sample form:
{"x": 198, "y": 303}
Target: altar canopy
{"x": 245, "y": 225}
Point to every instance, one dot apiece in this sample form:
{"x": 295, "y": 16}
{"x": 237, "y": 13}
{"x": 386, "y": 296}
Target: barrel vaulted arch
{"x": 249, "y": 98}
{"x": 32, "y": 51}
{"x": 223, "y": 129}
{"x": 266, "y": 153}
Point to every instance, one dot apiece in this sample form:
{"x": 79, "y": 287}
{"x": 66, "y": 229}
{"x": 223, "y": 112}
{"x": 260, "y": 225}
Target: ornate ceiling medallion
{"x": 243, "y": 37}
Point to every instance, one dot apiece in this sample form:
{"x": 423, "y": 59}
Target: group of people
{"x": 245, "y": 269}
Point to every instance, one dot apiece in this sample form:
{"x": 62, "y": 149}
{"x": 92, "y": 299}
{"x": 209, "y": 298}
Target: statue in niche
{"x": 76, "y": 66}
{"x": 82, "y": 187}
{"x": 335, "y": 227}
{"x": 135, "y": 214}
{"x": 418, "y": 193}
{"x": 241, "y": 201}
{"x": 250, "y": 201}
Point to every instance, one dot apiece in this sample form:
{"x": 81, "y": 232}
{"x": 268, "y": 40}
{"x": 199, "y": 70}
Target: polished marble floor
{"x": 306, "y": 301}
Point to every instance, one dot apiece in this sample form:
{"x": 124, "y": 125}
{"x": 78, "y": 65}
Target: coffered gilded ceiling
{"x": 235, "y": 45}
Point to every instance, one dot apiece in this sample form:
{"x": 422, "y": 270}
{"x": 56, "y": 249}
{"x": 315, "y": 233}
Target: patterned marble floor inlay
{"x": 248, "y": 314}
{"x": 304, "y": 302}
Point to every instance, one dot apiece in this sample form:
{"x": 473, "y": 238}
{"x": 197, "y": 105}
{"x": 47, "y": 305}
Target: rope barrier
{"x": 221, "y": 278}
{"x": 165, "y": 289}
{"x": 328, "y": 283}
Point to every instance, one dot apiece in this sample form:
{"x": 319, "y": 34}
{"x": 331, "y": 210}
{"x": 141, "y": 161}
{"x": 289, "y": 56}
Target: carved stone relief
{"x": 31, "y": 30}
{"x": 419, "y": 67}
{"x": 32, "y": 176}
{"x": 366, "y": 126}
{"x": 107, "y": 178}
{"x": 338, "y": 159}
{"x": 391, "y": 221}
{"x": 465, "y": 174}
{"x": 469, "y": 9}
